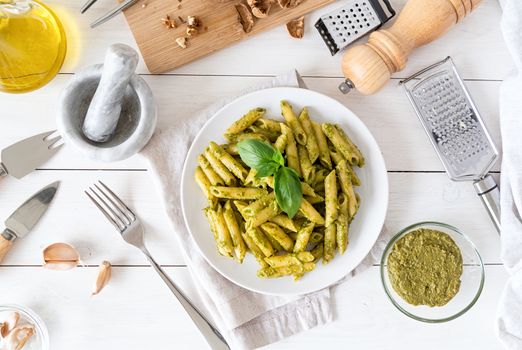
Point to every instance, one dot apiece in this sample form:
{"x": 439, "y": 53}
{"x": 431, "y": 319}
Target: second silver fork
{"x": 131, "y": 229}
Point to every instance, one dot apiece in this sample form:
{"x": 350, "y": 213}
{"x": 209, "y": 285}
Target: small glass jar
{"x": 40, "y": 340}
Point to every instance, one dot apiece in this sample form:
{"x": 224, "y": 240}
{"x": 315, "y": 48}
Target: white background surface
{"x": 136, "y": 311}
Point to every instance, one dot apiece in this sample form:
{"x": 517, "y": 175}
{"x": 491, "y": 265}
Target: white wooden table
{"x": 136, "y": 311}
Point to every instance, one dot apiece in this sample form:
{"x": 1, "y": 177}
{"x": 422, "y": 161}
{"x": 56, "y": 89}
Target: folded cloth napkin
{"x": 246, "y": 319}
{"x": 509, "y": 320}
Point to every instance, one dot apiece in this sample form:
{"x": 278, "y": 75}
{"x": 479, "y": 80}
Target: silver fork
{"x": 131, "y": 229}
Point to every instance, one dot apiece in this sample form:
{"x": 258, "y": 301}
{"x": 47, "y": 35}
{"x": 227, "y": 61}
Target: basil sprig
{"x": 267, "y": 161}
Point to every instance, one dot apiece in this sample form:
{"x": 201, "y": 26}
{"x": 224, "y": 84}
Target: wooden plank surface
{"x": 387, "y": 114}
{"x": 413, "y": 198}
{"x": 475, "y": 43}
{"x": 136, "y": 311}
{"x": 219, "y": 27}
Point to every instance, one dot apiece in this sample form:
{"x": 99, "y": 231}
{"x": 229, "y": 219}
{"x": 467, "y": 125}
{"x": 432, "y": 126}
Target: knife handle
{"x": 6, "y": 242}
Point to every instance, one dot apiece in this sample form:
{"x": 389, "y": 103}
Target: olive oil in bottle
{"x": 32, "y": 45}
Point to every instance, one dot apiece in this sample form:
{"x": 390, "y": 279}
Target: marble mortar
{"x": 135, "y": 126}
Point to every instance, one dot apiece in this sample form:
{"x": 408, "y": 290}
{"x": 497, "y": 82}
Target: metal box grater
{"x": 455, "y": 129}
{"x": 355, "y": 19}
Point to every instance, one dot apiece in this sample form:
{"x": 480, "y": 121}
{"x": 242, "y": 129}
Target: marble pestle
{"x": 105, "y": 108}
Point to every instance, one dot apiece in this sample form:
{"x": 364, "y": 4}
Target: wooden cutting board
{"x": 219, "y": 28}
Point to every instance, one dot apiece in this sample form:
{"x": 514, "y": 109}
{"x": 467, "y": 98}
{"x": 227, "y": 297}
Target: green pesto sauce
{"x": 424, "y": 267}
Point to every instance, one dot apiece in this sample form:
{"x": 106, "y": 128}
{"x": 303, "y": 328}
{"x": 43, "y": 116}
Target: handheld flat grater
{"x": 455, "y": 129}
{"x": 355, "y": 19}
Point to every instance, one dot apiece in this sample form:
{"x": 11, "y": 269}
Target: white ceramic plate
{"x": 365, "y": 228}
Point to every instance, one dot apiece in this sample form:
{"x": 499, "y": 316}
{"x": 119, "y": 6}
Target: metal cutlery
{"x": 456, "y": 130}
{"x": 23, "y": 219}
{"x": 112, "y": 13}
{"x": 353, "y": 20}
{"x": 23, "y": 157}
{"x": 129, "y": 226}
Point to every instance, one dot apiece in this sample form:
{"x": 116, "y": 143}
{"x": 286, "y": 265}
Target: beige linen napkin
{"x": 246, "y": 319}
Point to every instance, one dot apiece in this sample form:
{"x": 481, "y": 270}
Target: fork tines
{"x": 111, "y": 206}
{"x": 53, "y": 143}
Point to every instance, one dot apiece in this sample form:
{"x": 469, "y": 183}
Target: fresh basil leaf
{"x": 278, "y": 158}
{"x": 287, "y": 187}
{"x": 254, "y": 152}
{"x": 266, "y": 169}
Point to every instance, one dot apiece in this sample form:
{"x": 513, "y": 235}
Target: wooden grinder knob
{"x": 368, "y": 67}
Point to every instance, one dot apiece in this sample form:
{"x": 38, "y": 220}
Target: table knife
{"x": 23, "y": 157}
{"x": 23, "y": 219}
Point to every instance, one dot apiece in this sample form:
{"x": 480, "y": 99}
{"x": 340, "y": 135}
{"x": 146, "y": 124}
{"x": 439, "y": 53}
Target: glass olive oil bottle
{"x": 32, "y": 45}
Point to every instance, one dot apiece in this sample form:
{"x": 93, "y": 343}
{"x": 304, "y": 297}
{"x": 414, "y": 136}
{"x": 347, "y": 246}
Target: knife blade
{"x": 23, "y": 219}
{"x": 23, "y": 157}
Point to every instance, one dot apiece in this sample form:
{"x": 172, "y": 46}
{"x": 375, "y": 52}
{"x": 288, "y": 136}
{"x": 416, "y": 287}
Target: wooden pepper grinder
{"x": 368, "y": 67}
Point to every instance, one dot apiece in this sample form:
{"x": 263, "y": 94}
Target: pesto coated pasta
{"x": 243, "y": 210}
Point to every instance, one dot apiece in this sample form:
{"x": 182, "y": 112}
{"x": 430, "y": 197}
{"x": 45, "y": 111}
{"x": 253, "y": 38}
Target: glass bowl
{"x": 472, "y": 279}
{"x": 40, "y": 341}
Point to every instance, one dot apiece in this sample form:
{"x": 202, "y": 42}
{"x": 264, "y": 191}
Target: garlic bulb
{"x": 104, "y": 275}
{"x": 60, "y": 256}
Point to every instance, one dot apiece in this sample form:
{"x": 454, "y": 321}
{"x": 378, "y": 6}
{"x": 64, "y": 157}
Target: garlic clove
{"x": 104, "y": 275}
{"x": 9, "y": 324}
{"x": 17, "y": 339}
{"x": 60, "y": 256}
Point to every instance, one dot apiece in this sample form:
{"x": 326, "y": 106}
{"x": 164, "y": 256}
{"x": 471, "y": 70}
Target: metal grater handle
{"x": 489, "y": 193}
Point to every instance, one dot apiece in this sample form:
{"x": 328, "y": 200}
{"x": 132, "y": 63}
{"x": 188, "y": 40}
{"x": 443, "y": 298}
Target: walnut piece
{"x": 169, "y": 22}
{"x": 296, "y": 27}
{"x": 192, "y": 25}
{"x": 287, "y": 4}
{"x": 260, "y": 8}
{"x": 182, "y": 42}
{"x": 245, "y": 17}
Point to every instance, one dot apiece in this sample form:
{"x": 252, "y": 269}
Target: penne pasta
{"x": 311, "y": 142}
{"x": 284, "y": 221}
{"x": 224, "y": 241}
{"x": 264, "y": 215}
{"x": 330, "y": 198}
{"x": 310, "y": 213}
{"x": 317, "y": 252}
{"x": 324, "y": 153}
{"x": 277, "y": 233}
{"x": 347, "y": 188}
{"x": 352, "y": 145}
{"x": 329, "y": 243}
{"x": 254, "y": 249}
{"x": 261, "y": 241}
{"x": 204, "y": 183}
{"x": 303, "y": 236}
{"x": 255, "y": 207}
{"x": 342, "y": 144}
{"x": 268, "y": 124}
{"x": 292, "y": 156}
{"x": 237, "y": 192}
{"x": 212, "y": 176}
{"x": 244, "y": 122}
{"x": 228, "y": 161}
{"x": 296, "y": 270}
{"x": 220, "y": 169}
{"x": 235, "y": 233}
{"x": 293, "y": 122}
{"x": 243, "y": 212}
{"x": 270, "y": 135}
{"x": 307, "y": 168}
{"x": 316, "y": 237}
{"x": 281, "y": 143}
{"x": 342, "y": 224}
